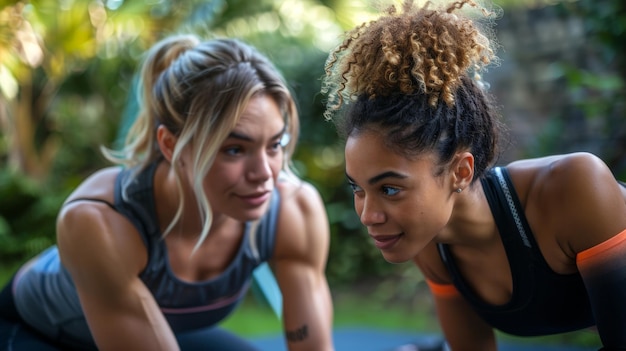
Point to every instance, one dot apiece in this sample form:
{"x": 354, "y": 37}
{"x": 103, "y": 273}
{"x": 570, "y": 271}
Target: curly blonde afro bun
{"x": 420, "y": 50}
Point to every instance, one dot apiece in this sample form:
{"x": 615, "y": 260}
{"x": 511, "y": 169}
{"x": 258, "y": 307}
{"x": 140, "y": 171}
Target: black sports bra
{"x": 543, "y": 302}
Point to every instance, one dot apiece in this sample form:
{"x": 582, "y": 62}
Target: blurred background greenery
{"x": 66, "y": 83}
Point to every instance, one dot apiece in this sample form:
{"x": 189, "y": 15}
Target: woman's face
{"x": 241, "y": 179}
{"x": 400, "y": 200}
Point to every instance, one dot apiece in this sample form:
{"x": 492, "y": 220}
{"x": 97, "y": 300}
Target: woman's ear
{"x": 166, "y": 141}
{"x": 463, "y": 170}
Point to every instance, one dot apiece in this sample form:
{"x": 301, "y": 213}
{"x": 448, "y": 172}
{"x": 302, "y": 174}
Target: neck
{"x": 168, "y": 195}
{"x": 471, "y": 222}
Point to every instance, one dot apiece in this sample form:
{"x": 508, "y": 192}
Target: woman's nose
{"x": 370, "y": 214}
{"x": 259, "y": 169}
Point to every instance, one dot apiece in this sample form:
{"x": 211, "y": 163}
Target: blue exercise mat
{"x": 363, "y": 339}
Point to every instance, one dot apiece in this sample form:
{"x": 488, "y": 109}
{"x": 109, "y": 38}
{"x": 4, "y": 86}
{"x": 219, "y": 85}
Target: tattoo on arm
{"x": 299, "y": 334}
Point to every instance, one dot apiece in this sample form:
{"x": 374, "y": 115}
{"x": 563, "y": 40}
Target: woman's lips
{"x": 255, "y": 199}
{"x": 384, "y": 242}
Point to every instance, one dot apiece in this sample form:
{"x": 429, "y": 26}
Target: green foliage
{"x": 597, "y": 93}
{"x": 600, "y": 92}
{"x": 27, "y": 217}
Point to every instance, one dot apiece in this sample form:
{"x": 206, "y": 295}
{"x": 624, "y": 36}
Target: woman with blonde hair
{"x": 534, "y": 247}
{"x": 154, "y": 254}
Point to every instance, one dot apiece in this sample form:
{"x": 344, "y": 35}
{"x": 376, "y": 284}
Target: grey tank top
{"x": 46, "y": 298}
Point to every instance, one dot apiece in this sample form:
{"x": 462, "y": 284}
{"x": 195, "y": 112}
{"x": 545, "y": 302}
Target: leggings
{"x": 16, "y": 335}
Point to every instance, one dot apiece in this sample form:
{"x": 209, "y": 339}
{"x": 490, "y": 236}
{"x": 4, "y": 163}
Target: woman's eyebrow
{"x": 245, "y": 137}
{"x": 378, "y": 178}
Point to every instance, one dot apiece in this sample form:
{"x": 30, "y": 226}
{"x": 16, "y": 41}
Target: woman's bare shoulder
{"x": 303, "y": 227}
{"x": 549, "y": 166}
{"x": 301, "y": 194}
{"x": 99, "y": 185}
{"x": 575, "y": 196}
{"x": 87, "y": 230}
{"x": 552, "y": 178}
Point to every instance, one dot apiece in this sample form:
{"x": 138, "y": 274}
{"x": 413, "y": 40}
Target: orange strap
{"x": 442, "y": 290}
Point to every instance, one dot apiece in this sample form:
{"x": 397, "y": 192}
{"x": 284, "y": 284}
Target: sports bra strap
{"x": 91, "y": 199}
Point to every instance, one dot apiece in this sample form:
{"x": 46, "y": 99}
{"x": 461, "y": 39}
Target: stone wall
{"x": 528, "y": 84}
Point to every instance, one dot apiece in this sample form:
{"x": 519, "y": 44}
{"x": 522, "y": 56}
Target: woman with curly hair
{"x": 534, "y": 247}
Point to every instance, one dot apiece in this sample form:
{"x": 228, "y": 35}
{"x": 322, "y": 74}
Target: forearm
{"x": 307, "y": 309}
{"x": 129, "y": 335}
{"x": 463, "y": 329}
{"x": 603, "y": 268}
{"x": 133, "y": 321}
{"x": 309, "y": 328}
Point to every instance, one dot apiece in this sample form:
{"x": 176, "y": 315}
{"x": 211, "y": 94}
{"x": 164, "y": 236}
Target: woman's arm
{"x": 300, "y": 256}
{"x": 104, "y": 254}
{"x": 463, "y": 329}
{"x": 603, "y": 268}
{"x": 587, "y": 213}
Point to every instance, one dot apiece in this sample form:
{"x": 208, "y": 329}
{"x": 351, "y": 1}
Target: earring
{"x": 459, "y": 190}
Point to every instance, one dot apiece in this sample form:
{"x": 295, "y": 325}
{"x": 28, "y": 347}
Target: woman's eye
{"x": 275, "y": 148}
{"x": 283, "y": 141}
{"x": 277, "y": 145}
{"x": 355, "y": 188}
{"x": 233, "y": 150}
{"x": 389, "y": 191}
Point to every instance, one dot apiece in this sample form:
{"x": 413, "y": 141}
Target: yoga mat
{"x": 365, "y": 339}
